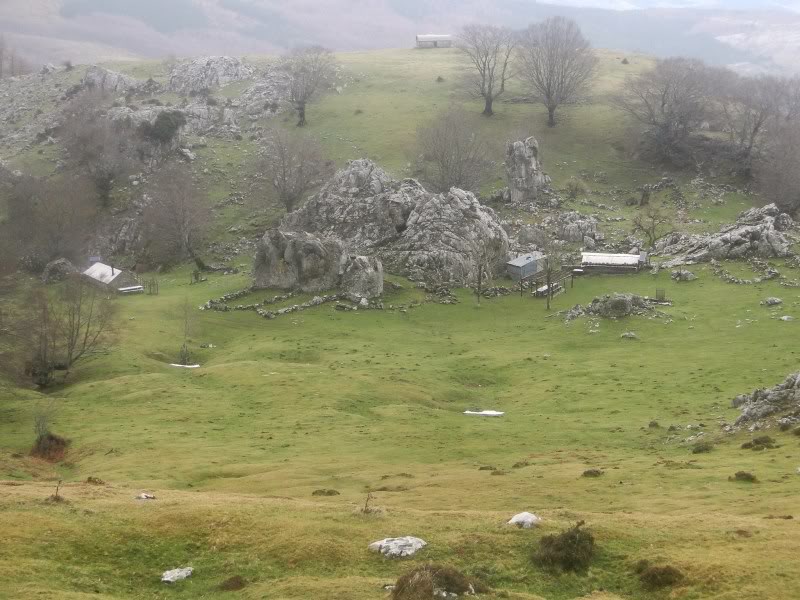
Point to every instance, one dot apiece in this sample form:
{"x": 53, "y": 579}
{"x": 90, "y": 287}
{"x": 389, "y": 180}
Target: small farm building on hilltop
{"x": 431, "y": 40}
{"x": 612, "y": 263}
{"x": 525, "y": 266}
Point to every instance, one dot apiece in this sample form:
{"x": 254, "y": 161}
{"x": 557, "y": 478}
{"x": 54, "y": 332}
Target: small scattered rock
{"x": 525, "y": 520}
{"x": 772, "y": 301}
{"x": 593, "y": 473}
{"x": 399, "y": 547}
{"x": 629, "y": 335}
{"x": 145, "y": 496}
{"x": 176, "y": 575}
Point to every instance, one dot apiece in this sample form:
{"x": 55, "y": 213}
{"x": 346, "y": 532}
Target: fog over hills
{"x": 749, "y": 33}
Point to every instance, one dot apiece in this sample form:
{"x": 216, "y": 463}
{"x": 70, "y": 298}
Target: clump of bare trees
{"x": 490, "y": 50}
{"x": 311, "y": 71}
{"x": 54, "y": 329}
{"x": 11, "y": 63}
{"x": 294, "y": 164}
{"x": 49, "y": 219}
{"x": 653, "y": 224}
{"x": 176, "y": 218}
{"x": 556, "y": 62}
{"x": 452, "y": 152}
{"x": 96, "y": 146}
{"x": 778, "y": 169}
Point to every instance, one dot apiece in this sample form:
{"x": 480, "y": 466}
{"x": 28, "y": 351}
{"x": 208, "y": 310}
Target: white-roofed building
{"x": 113, "y": 278}
{"x": 434, "y": 40}
{"x": 598, "y": 261}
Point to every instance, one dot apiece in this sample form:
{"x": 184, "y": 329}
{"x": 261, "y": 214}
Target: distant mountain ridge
{"x": 752, "y": 35}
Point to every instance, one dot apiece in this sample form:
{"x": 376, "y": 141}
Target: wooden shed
{"x": 434, "y": 40}
{"x": 525, "y": 266}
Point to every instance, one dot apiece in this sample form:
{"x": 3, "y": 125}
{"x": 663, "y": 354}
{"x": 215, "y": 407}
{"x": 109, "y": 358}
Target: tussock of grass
{"x": 570, "y": 550}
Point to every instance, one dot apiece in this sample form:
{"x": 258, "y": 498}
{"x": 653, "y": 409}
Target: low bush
{"x": 325, "y": 492}
{"x": 435, "y": 581}
{"x": 164, "y": 129}
{"x": 656, "y": 577}
{"x": 570, "y": 550}
{"x": 702, "y": 447}
{"x": 50, "y": 446}
{"x": 762, "y": 442}
{"x": 592, "y": 473}
{"x": 233, "y": 584}
{"x": 744, "y": 476}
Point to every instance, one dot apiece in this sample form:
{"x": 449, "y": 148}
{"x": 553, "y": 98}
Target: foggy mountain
{"x": 748, "y": 33}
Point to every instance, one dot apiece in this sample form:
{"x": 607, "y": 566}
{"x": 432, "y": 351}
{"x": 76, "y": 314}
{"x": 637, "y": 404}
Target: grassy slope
{"x": 351, "y": 401}
{"x": 323, "y": 399}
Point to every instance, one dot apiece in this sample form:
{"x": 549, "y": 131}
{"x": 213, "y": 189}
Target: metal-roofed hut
{"x": 599, "y": 262}
{"x": 113, "y": 278}
{"x": 434, "y": 40}
{"x": 525, "y": 266}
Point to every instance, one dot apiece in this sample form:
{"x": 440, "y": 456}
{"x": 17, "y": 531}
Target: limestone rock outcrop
{"x": 758, "y": 232}
{"x": 106, "y": 80}
{"x": 524, "y": 171}
{"x": 432, "y": 237}
{"x": 58, "y": 270}
{"x": 206, "y": 73}
{"x": 297, "y": 261}
{"x": 761, "y": 403}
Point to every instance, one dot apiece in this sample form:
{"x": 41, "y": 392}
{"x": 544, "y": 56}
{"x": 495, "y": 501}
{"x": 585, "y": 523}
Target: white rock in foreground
{"x": 484, "y": 413}
{"x": 185, "y": 366}
{"x": 176, "y": 575}
{"x": 525, "y": 520}
{"x": 398, "y": 547}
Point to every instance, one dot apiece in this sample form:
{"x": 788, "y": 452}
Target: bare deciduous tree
{"x": 490, "y": 50}
{"x": 653, "y": 224}
{"x": 747, "y": 104}
{"x": 452, "y": 152}
{"x": 51, "y": 219}
{"x": 311, "y": 70}
{"x": 176, "y": 219}
{"x": 294, "y": 165}
{"x": 553, "y": 263}
{"x": 556, "y": 62}
{"x": 777, "y": 172}
{"x": 97, "y": 146}
{"x": 670, "y": 101}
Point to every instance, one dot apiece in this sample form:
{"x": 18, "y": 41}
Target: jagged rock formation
{"x": 206, "y": 73}
{"x": 783, "y": 398}
{"x": 58, "y": 270}
{"x": 572, "y": 226}
{"x": 434, "y": 237}
{"x": 109, "y": 81}
{"x": 758, "y": 232}
{"x": 524, "y": 171}
{"x": 297, "y": 260}
{"x": 362, "y": 277}
{"x": 612, "y": 306}
{"x": 292, "y": 260}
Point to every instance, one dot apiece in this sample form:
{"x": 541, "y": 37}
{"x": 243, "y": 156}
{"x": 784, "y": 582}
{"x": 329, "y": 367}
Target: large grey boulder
{"x": 524, "y": 171}
{"x": 616, "y": 306}
{"x": 362, "y": 277}
{"x": 572, "y": 226}
{"x": 292, "y": 260}
{"x": 758, "y": 232}
{"x": 398, "y": 547}
{"x": 435, "y": 237}
{"x": 175, "y": 575}
{"x": 109, "y": 81}
{"x": 761, "y": 403}
{"x": 58, "y": 270}
{"x": 206, "y": 73}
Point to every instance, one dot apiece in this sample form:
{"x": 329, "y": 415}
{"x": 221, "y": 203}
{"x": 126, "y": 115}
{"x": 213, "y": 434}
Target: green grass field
{"x": 372, "y": 402}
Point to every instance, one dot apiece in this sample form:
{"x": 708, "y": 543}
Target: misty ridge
{"x": 754, "y": 36}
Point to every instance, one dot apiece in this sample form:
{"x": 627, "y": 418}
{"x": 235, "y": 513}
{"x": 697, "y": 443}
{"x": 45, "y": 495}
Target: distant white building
{"x": 432, "y": 40}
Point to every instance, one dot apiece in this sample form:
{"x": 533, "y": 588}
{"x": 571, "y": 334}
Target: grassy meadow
{"x": 372, "y": 402}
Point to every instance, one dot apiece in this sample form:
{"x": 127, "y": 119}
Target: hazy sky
{"x": 91, "y": 30}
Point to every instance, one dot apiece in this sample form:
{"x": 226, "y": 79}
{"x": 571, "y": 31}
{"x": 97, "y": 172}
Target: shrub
{"x": 656, "y": 577}
{"x": 574, "y": 188}
{"x": 440, "y": 79}
{"x": 763, "y": 442}
{"x": 49, "y": 446}
{"x": 592, "y": 473}
{"x": 358, "y": 111}
{"x": 744, "y": 476}
{"x": 325, "y": 492}
{"x": 702, "y": 447}
{"x": 571, "y": 550}
{"x": 423, "y": 582}
{"x": 95, "y": 481}
{"x": 796, "y": 431}
{"x": 233, "y": 584}
{"x": 166, "y": 126}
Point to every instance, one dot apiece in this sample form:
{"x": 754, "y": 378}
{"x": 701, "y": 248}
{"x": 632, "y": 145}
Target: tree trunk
{"x": 549, "y": 285}
{"x": 551, "y": 116}
{"x": 487, "y": 110}
{"x": 301, "y": 114}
